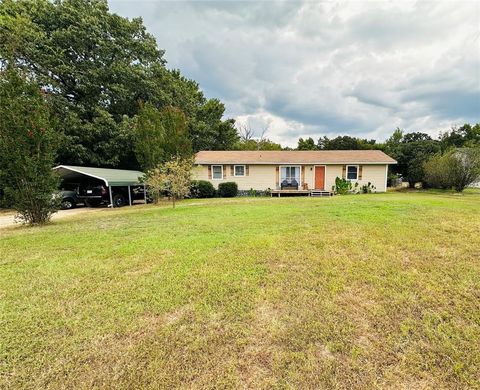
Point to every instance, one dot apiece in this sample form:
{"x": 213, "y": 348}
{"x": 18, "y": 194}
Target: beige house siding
{"x": 261, "y": 177}
{"x": 375, "y": 174}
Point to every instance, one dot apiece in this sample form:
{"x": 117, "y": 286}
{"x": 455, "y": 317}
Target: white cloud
{"x": 314, "y": 68}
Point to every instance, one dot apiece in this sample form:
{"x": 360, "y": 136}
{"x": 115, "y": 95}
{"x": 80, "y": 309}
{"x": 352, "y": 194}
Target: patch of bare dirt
{"x": 7, "y": 219}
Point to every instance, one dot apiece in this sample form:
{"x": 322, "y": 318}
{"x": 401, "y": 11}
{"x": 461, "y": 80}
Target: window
{"x": 217, "y": 172}
{"x": 352, "y": 172}
{"x": 239, "y": 170}
{"x": 289, "y": 174}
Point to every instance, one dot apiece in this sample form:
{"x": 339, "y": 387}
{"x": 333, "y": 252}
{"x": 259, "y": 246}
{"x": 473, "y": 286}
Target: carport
{"x": 111, "y": 177}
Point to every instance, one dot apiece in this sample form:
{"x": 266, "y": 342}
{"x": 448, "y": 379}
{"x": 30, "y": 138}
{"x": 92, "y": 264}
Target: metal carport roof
{"x": 111, "y": 177}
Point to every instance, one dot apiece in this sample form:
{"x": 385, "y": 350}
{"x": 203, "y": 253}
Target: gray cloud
{"x": 312, "y": 68}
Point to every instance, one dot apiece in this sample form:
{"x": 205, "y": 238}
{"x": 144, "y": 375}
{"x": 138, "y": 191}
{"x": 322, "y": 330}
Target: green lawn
{"x": 352, "y": 292}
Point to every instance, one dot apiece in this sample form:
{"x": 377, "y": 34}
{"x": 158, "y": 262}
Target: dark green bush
{"x": 228, "y": 189}
{"x": 202, "y": 189}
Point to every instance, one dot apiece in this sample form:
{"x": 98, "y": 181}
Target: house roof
{"x": 111, "y": 177}
{"x": 293, "y": 157}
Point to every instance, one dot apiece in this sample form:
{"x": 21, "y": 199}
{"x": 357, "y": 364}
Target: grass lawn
{"x": 352, "y": 292}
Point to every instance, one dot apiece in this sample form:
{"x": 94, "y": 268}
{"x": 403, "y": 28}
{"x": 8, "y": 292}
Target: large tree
{"x": 98, "y": 67}
{"x": 149, "y": 137}
{"x": 176, "y": 142}
{"x": 412, "y": 151}
{"x": 207, "y": 132}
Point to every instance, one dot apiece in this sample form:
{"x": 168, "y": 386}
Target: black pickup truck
{"x": 95, "y": 193}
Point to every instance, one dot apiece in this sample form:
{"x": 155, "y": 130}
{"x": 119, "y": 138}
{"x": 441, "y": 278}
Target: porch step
{"x": 319, "y": 193}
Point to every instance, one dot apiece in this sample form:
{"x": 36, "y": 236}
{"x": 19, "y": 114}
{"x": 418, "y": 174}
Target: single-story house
{"x": 290, "y": 170}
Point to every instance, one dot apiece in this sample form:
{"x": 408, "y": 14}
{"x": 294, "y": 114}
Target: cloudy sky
{"x": 309, "y": 68}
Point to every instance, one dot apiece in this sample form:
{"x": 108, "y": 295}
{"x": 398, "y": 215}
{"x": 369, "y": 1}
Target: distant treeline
{"x": 411, "y": 150}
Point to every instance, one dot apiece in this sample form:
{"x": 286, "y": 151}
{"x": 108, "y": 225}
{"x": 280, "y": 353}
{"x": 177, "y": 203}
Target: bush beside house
{"x": 228, "y": 189}
{"x": 202, "y": 189}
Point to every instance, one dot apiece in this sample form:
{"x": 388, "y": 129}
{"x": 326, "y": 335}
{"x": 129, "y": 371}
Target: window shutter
{"x": 210, "y": 172}
{"x": 360, "y": 169}
{"x": 232, "y": 173}
{"x": 224, "y": 171}
{"x": 303, "y": 175}
{"x": 277, "y": 176}
{"x": 246, "y": 170}
{"x": 344, "y": 172}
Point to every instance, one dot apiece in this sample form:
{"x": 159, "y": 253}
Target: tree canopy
{"x": 98, "y": 67}
{"x": 463, "y": 136}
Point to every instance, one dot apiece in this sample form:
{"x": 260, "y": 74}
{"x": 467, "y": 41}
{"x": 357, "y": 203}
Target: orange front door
{"x": 319, "y": 178}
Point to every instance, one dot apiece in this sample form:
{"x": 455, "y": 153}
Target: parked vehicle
{"x": 69, "y": 199}
{"x": 95, "y": 193}
{"x": 68, "y": 195}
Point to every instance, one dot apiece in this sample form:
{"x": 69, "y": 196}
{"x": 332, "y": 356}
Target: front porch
{"x": 292, "y": 192}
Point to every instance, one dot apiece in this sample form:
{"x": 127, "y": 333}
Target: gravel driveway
{"x": 7, "y": 218}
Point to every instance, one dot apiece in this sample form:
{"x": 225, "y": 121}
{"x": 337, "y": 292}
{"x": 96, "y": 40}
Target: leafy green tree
{"x": 416, "y": 137}
{"x": 345, "y": 142}
{"x": 306, "y": 144}
{"x": 149, "y": 137}
{"x": 255, "y": 144}
{"x": 98, "y": 67}
{"x": 173, "y": 178}
{"x": 28, "y": 145}
{"x": 176, "y": 141}
{"x": 209, "y": 132}
{"x": 412, "y": 151}
{"x": 411, "y": 158}
{"x": 464, "y": 136}
{"x": 95, "y": 64}
{"x": 392, "y": 144}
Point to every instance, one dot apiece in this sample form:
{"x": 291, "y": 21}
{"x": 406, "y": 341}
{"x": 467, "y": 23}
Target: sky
{"x": 309, "y": 69}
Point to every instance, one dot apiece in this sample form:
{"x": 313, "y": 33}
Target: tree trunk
{"x": 411, "y": 184}
{"x": 173, "y": 201}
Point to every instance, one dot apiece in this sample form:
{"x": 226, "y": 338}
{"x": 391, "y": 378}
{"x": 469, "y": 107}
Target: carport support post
{"x": 129, "y": 196}
{"x": 145, "y": 193}
{"x": 111, "y": 197}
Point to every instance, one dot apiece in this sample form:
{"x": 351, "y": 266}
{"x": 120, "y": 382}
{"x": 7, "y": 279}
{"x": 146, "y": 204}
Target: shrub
{"x": 457, "y": 168}
{"x": 252, "y": 192}
{"x": 368, "y": 188}
{"x": 342, "y": 186}
{"x": 228, "y": 189}
{"x": 437, "y": 172}
{"x": 28, "y": 144}
{"x": 202, "y": 189}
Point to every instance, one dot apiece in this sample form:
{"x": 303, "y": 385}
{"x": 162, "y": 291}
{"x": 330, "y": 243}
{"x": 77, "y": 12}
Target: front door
{"x": 320, "y": 178}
